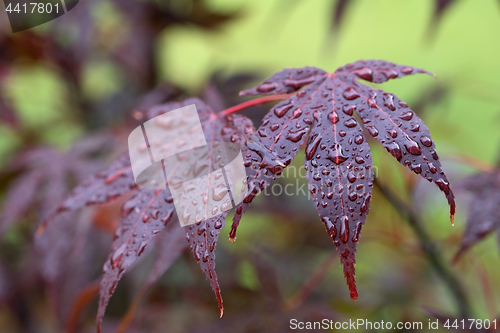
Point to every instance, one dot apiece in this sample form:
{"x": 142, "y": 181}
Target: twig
{"x": 429, "y": 248}
{"x": 82, "y": 301}
{"x": 253, "y": 102}
{"x": 472, "y": 162}
{"x": 312, "y": 282}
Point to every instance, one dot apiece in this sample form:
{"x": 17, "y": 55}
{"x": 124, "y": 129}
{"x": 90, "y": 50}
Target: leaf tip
{"x": 452, "y": 219}
{"x": 351, "y": 281}
{"x": 280, "y": 163}
{"x": 221, "y": 312}
{"x": 232, "y": 234}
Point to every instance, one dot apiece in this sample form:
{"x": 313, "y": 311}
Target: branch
{"x": 429, "y": 248}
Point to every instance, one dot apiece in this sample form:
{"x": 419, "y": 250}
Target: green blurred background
{"x": 206, "y": 43}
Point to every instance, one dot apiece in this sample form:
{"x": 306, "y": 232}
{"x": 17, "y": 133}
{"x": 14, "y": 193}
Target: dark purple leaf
{"x": 484, "y": 216}
{"x": 102, "y": 187}
{"x": 338, "y": 159}
{"x": 144, "y": 216}
{"x": 170, "y": 244}
{"x": 202, "y": 238}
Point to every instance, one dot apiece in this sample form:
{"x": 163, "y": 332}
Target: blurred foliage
{"x": 83, "y": 75}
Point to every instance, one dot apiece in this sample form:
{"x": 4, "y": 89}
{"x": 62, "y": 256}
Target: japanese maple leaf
{"x": 483, "y": 216}
{"x": 42, "y": 181}
{"x": 337, "y": 157}
{"x": 149, "y": 211}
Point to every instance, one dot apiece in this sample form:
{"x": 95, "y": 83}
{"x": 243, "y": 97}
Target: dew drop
{"x": 344, "y": 237}
{"x": 313, "y": 145}
{"x": 395, "y": 150}
{"x": 298, "y": 83}
{"x": 372, "y": 130}
{"x": 219, "y": 192}
{"x": 196, "y": 252}
{"x": 359, "y": 160}
{"x": 337, "y": 156}
{"x": 281, "y": 110}
{"x": 142, "y": 247}
{"x": 412, "y": 147}
{"x": 349, "y": 109}
{"x": 371, "y": 100}
{"x": 358, "y": 232}
{"x": 351, "y": 177}
{"x": 406, "y": 115}
{"x": 366, "y": 202}
{"x": 185, "y": 216}
{"x": 115, "y": 258}
{"x": 358, "y": 139}
{"x": 414, "y": 127}
{"x": 267, "y": 87}
{"x": 350, "y": 94}
{"x": 389, "y": 102}
{"x": 364, "y": 73}
{"x": 226, "y": 206}
{"x": 169, "y": 199}
{"x": 443, "y": 185}
{"x": 426, "y": 141}
{"x": 312, "y": 189}
{"x": 406, "y": 70}
{"x": 392, "y": 132}
{"x": 333, "y": 117}
{"x": 417, "y": 168}
{"x": 296, "y": 137}
{"x": 351, "y": 122}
